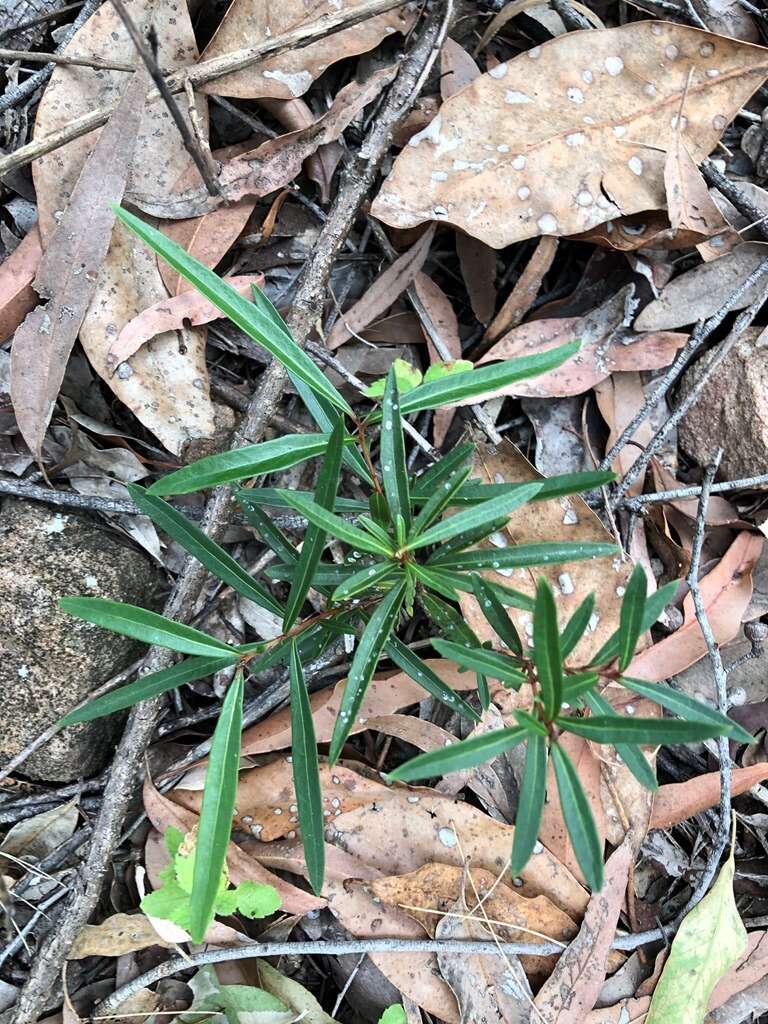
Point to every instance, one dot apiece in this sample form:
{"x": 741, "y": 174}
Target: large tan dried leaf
{"x": 570, "y": 993}
{"x": 432, "y": 889}
{"x": 567, "y": 519}
{"x": 118, "y": 935}
{"x": 34, "y": 838}
{"x": 17, "y": 296}
{"x": 619, "y": 398}
{"x": 677, "y": 801}
{"x": 67, "y": 277}
{"x": 726, "y": 592}
{"x": 572, "y": 133}
{"x": 166, "y": 383}
{"x": 401, "y": 835}
{"x": 163, "y": 812}
{"x": 606, "y": 348}
{"x": 291, "y": 74}
{"x": 386, "y": 694}
{"x": 414, "y": 974}
{"x": 700, "y": 292}
{"x": 488, "y": 987}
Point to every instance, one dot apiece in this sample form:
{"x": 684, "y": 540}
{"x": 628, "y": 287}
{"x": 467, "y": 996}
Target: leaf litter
{"x": 584, "y": 140}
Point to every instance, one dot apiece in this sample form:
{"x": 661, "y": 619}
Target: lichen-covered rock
{"x": 48, "y": 660}
{"x": 732, "y": 410}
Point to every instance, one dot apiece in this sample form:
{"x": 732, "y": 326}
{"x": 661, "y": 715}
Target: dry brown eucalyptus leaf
{"x": 119, "y": 934}
{"x": 572, "y": 133}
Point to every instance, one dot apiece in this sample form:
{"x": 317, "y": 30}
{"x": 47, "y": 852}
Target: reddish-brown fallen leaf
{"x": 290, "y": 74}
{"x": 434, "y": 888}
{"x": 478, "y": 268}
{"x": 619, "y": 397}
{"x": 208, "y": 238}
{"x": 68, "y": 273}
{"x": 574, "y": 985}
{"x": 294, "y": 115}
{"x": 17, "y": 296}
{"x": 386, "y": 693}
{"x": 677, "y": 801}
{"x": 272, "y": 164}
{"x": 605, "y": 349}
{"x": 457, "y": 68}
{"x": 163, "y": 812}
{"x": 382, "y": 293}
{"x": 649, "y": 229}
{"x": 726, "y": 592}
{"x": 190, "y": 307}
{"x": 689, "y": 203}
{"x": 288, "y": 855}
{"x": 720, "y": 512}
{"x": 526, "y": 288}
{"x": 441, "y": 313}
{"x": 628, "y": 1010}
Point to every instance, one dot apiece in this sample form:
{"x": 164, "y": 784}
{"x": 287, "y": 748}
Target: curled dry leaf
{"x": 163, "y": 812}
{"x": 290, "y": 74}
{"x": 34, "y": 838}
{"x": 606, "y": 347}
{"x": 567, "y": 519}
{"x": 526, "y": 288}
{"x": 272, "y": 164}
{"x": 444, "y": 319}
{"x": 382, "y": 293}
{"x": 170, "y": 315}
{"x": 726, "y": 592}
{"x": 572, "y": 133}
{"x": 677, "y": 801}
{"x": 619, "y": 398}
{"x": 490, "y": 987}
{"x": 166, "y": 383}
{"x": 385, "y": 694}
{"x": 17, "y": 296}
{"x": 650, "y": 229}
{"x": 574, "y": 985}
{"x": 428, "y": 893}
{"x": 416, "y": 975}
{"x": 288, "y": 855}
{"x": 116, "y": 936}
{"x": 689, "y": 204}
{"x": 700, "y": 292}
{"x": 457, "y": 68}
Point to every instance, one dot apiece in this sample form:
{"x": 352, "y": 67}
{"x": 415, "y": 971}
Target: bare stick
{"x": 203, "y": 162}
{"x": 42, "y": 20}
{"x": 13, "y": 97}
{"x": 721, "y": 691}
{"x": 34, "y": 57}
{"x": 206, "y": 71}
{"x": 659, "y": 497}
{"x": 730, "y": 189}
{"x": 129, "y": 759}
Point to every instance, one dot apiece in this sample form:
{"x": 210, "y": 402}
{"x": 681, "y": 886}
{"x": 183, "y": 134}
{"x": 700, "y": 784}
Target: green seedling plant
{"x": 415, "y": 540}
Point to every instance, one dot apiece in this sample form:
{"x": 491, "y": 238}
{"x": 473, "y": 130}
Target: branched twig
{"x": 748, "y": 483}
{"x": 202, "y": 160}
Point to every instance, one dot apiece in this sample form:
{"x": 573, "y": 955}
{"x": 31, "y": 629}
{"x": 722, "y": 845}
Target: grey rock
{"x": 49, "y": 660}
{"x": 732, "y": 410}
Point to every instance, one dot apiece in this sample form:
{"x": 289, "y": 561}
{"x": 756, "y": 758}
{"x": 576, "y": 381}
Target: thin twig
{"x": 42, "y": 20}
{"x": 15, "y": 944}
{"x": 748, "y": 483}
{"x": 19, "y": 93}
{"x": 34, "y": 57}
{"x": 202, "y": 160}
{"x": 721, "y": 691}
{"x": 204, "y": 71}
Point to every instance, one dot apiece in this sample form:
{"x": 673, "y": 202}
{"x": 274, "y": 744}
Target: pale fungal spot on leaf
{"x": 519, "y": 162}
{"x": 619, "y": 130}
{"x": 671, "y": 52}
{"x": 588, "y": 120}
{"x": 718, "y": 122}
{"x": 656, "y": 29}
{"x": 570, "y": 518}
{"x": 297, "y": 82}
{"x": 515, "y": 96}
{"x": 630, "y": 709}
{"x": 584, "y": 198}
{"x": 587, "y": 76}
{"x": 706, "y": 49}
{"x": 447, "y": 837}
{"x": 499, "y": 71}
{"x": 439, "y": 176}
{"x": 620, "y": 591}
{"x": 535, "y": 53}
{"x": 574, "y": 139}
{"x": 594, "y": 621}
{"x": 547, "y": 224}
{"x": 439, "y": 211}
{"x": 523, "y": 192}
{"x": 713, "y": 72}
{"x": 635, "y": 165}
{"x": 649, "y": 89}
{"x": 575, "y": 95}
{"x": 499, "y": 540}
{"x": 566, "y": 584}
{"x": 503, "y": 148}
{"x": 614, "y": 66}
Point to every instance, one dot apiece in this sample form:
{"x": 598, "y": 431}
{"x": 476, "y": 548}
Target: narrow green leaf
{"x": 546, "y": 649}
{"x": 483, "y": 692}
{"x": 522, "y": 555}
{"x": 259, "y": 319}
{"x": 630, "y": 753}
{"x": 447, "y": 619}
{"x": 408, "y": 661}
{"x": 621, "y": 729}
{"x": 458, "y": 544}
{"x": 654, "y": 606}
{"x": 473, "y": 518}
{"x": 529, "y": 722}
{"x": 578, "y": 819}
{"x": 394, "y": 469}
{"x": 576, "y": 626}
{"x": 480, "y": 659}
{"x": 241, "y": 463}
{"x": 325, "y": 575}
{"x": 440, "y": 472}
{"x": 496, "y": 615}
{"x": 315, "y": 536}
{"x": 375, "y": 530}
{"x": 459, "y": 756}
{"x": 210, "y": 554}
{"x": 442, "y": 583}
{"x": 473, "y": 492}
{"x": 576, "y": 684}
{"x": 458, "y": 387}
{"x": 530, "y": 806}
{"x": 147, "y": 626}
{"x": 271, "y": 497}
{"x": 441, "y": 497}
{"x": 270, "y": 534}
{"x": 335, "y": 525}
{"x": 631, "y": 620}
{"x": 217, "y": 808}
{"x": 376, "y": 633}
{"x": 147, "y": 686}
{"x": 306, "y": 775}
{"x": 325, "y": 416}
{"x": 366, "y": 579}
{"x": 688, "y": 707}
